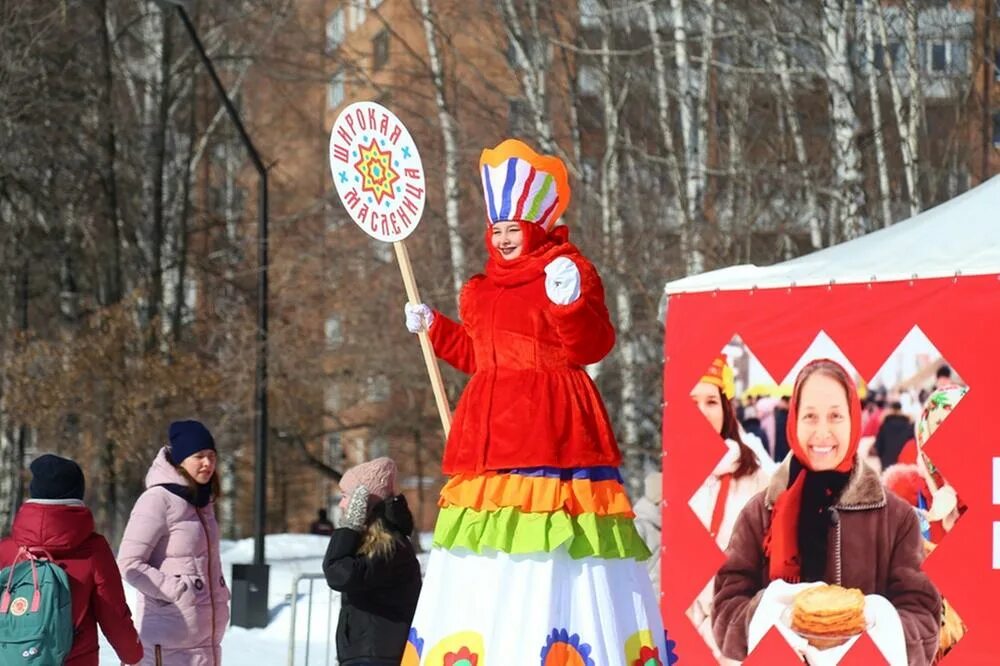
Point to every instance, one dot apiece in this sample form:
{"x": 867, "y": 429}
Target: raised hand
{"x": 562, "y": 281}
{"x": 356, "y": 514}
{"x": 419, "y": 317}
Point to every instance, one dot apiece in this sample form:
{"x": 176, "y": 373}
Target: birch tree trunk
{"x": 871, "y": 71}
{"x": 907, "y": 142}
{"x": 159, "y": 167}
{"x": 13, "y": 436}
{"x": 916, "y": 104}
{"x": 787, "y": 100}
{"x": 690, "y": 236}
{"x": 663, "y": 117}
{"x": 847, "y": 158}
{"x": 612, "y": 99}
{"x": 531, "y": 50}
{"x": 449, "y": 137}
{"x": 112, "y": 289}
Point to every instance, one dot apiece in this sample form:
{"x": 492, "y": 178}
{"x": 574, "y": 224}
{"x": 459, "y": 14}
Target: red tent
{"x": 939, "y": 271}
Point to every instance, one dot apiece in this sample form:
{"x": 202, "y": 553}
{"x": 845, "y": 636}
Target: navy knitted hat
{"x": 53, "y": 477}
{"x": 187, "y": 438}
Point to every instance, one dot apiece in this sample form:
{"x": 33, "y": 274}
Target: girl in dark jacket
{"x": 371, "y": 562}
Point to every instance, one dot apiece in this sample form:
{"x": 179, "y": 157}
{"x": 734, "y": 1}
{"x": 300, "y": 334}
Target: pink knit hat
{"x": 378, "y": 476}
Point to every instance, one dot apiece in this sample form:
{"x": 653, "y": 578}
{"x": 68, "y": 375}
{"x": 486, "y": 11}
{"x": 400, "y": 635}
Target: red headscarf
{"x": 538, "y": 248}
{"x": 781, "y": 542}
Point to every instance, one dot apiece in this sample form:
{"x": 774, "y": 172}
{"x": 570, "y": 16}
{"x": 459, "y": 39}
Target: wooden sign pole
{"x": 440, "y": 397}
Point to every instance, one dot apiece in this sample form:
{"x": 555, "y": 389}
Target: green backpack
{"x": 36, "y": 612}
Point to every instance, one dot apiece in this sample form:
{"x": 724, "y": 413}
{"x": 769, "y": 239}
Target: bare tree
{"x": 449, "y": 136}
{"x": 908, "y": 127}
{"x": 871, "y": 68}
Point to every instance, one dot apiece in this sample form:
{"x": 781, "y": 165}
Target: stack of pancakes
{"x": 828, "y": 615}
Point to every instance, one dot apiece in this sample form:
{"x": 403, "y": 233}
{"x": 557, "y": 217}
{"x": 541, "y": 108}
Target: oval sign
{"x": 377, "y": 171}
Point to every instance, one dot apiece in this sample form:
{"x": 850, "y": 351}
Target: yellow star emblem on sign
{"x": 377, "y": 174}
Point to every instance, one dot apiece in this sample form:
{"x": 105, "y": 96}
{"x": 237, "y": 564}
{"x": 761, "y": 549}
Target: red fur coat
{"x": 529, "y": 401}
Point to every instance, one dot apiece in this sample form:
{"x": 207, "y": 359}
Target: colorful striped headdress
{"x": 522, "y": 186}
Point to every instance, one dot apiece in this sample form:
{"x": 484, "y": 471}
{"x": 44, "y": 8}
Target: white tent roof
{"x": 961, "y": 236}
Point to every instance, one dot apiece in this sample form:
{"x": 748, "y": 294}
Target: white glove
{"x": 562, "y": 281}
{"x": 419, "y": 317}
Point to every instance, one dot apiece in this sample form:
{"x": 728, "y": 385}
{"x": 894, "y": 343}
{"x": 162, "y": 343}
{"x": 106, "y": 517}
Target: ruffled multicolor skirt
{"x": 536, "y": 566}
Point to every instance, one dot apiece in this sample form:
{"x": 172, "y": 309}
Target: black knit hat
{"x": 53, "y": 477}
{"x": 188, "y": 438}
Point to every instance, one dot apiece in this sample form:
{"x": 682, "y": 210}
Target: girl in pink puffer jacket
{"x": 170, "y": 553}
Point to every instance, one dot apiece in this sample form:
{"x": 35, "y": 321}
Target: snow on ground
{"x": 289, "y": 556}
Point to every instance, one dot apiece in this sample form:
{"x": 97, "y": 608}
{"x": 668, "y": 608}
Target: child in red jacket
{"x": 56, "y": 519}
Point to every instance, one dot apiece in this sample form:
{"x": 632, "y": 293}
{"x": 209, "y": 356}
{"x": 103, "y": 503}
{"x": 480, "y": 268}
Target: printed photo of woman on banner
{"x": 827, "y": 553}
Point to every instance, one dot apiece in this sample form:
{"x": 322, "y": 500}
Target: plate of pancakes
{"x": 828, "y": 615}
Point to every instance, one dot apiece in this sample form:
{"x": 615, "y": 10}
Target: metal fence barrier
{"x": 312, "y": 578}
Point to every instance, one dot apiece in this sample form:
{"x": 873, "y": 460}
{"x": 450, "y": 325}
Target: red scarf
{"x": 719, "y": 512}
{"x": 538, "y": 248}
{"x": 781, "y": 542}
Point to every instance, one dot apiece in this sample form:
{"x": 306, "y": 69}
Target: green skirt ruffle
{"x": 516, "y": 532}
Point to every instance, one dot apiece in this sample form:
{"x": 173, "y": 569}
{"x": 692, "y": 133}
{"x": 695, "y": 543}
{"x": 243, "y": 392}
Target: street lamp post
{"x": 250, "y": 581}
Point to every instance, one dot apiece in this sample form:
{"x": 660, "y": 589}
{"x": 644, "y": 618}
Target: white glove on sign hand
{"x": 419, "y": 317}
{"x": 562, "y": 281}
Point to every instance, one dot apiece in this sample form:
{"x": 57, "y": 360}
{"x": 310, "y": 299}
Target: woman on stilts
{"x": 536, "y": 559}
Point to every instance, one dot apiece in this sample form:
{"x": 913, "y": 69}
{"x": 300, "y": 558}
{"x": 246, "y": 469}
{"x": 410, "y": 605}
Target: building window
{"x": 334, "y": 332}
{"x": 938, "y": 57}
{"x": 996, "y": 129}
{"x": 510, "y": 54}
{"x": 378, "y": 447}
{"x": 519, "y": 117}
{"x": 382, "y": 251}
{"x": 332, "y": 401}
{"x": 334, "y": 214}
{"x": 878, "y": 57}
{"x": 356, "y": 14}
{"x": 377, "y": 388}
{"x": 335, "y": 95}
{"x": 947, "y": 57}
{"x": 380, "y": 50}
{"x": 538, "y": 52}
{"x": 333, "y": 452}
{"x": 882, "y": 56}
{"x": 590, "y": 13}
{"x": 588, "y": 81}
{"x": 958, "y": 58}
{"x": 335, "y": 30}
{"x": 896, "y": 54}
